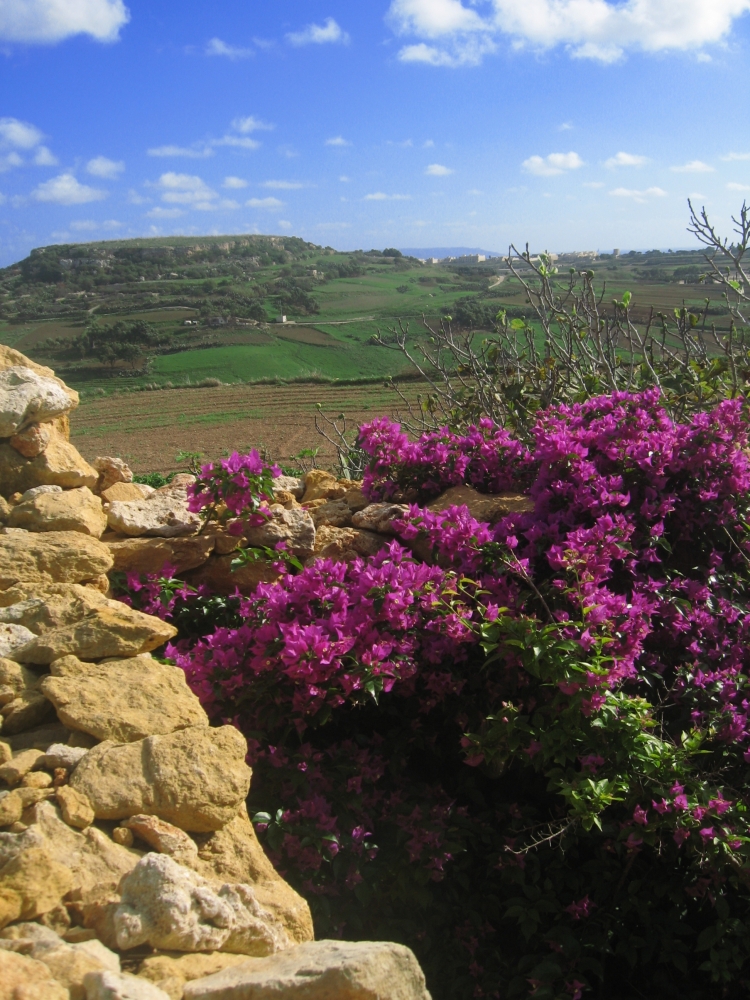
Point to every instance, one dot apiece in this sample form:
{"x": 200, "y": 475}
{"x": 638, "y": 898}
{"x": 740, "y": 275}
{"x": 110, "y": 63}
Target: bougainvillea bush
{"x": 527, "y": 759}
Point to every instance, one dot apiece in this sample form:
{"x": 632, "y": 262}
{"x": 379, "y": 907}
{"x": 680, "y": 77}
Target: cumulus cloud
{"x": 101, "y": 166}
{"x": 438, "y": 170}
{"x": 693, "y": 167}
{"x": 733, "y": 186}
{"x": 338, "y": 140}
{"x": 450, "y": 33}
{"x": 19, "y": 134}
{"x": 66, "y": 190}
{"x": 285, "y": 224}
{"x": 550, "y": 166}
{"x": 736, "y": 156}
{"x": 625, "y": 160}
{"x": 191, "y": 152}
{"x": 639, "y": 196}
{"x": 44, "y": 22}
{"x": 264, "y": 203}
{"x": 234, "y": 183}
{"x": 184, "y": 189}
{"x": 329, "y": 33}
{"x": 164, "y": 213}
{"x": 284, "y": 185}
{"x": 216, "y": 47}
{"x": 238, "y": 141}
{"x": 45, "y": 157}
{"x": 381, "y": 196}
{"x": 251, "y": 124}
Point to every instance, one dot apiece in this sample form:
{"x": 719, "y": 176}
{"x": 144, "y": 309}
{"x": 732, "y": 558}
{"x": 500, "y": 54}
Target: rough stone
{"x": 151, "y": 555}
{"x": 112, "y": 629}
{"x": 164, "y": 514}
{"x": 13, "y": 636}
{"x": 121, "y": 835}
{"x": 295, "y": 527}
{"x": 24, "y": 978}
{"x": 164, "y": 838}
{"x": 380, "y": 517}
{"x": 217, "y": 574}
{"x": 488, "y": 507}
{"x": 60, "y": 464}
{"x": 320, "y": 970}
{"x": 68, "y": 963}
{"x": 125, "y": 700}
{"x": 15, "y": 769}
{"x": 194, "y": 778}
{"x": 345, "y": 544}
{"x": 75, "y": 807}
{"x": 320, "y": 485}
{"x": 11, "y": 808}
{"x": 333, "y": 512}
{"x": 120, "y": 986}
{"x": 60, "y": 755}
{"x": 356, "y": 499}
{"x": 10, "y": 358}
{"x": 15, "y": 678}
{"x": 40, "y": 737}
{"x": 111, "y": 470}
{"x": 289, "y": 484}
{"x": 170, "y": 971}
{"x": 36, "y": 779}
{"x": 44, "y": 608}
{"x": 29, "y": 709}
{"x": 38, "y": 491}
{"x": 71, "y": 510}
{"x": 233, "y": 854}
{"x": 27, "y": 397}
{"x": 126, "y": 492}
{"x": 5, "y": 510}
{"x": 32, "y": 441}
{"x": 50, "y": 557}
{"x": 6, "y": 753}
{"x": 30, "y": 884}
{"x": 168, "y": 906}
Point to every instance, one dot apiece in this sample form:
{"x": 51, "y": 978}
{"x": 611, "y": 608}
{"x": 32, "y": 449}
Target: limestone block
{"x": 36, "y": 779}
{"x": 488, "y": 507}
{"x": 217, "y": 574}
{"x": 32, "y": 441}
{"x": 170, "y": 971}
{"x": 10, "y": 358}
{"x": 152, "y": 555}
{"x": 50, "y": 557}
{"x": 112, "y": 629}
{"x": 60, "y": 755}
{"x": 44, "y": 608}
{"x": 69, "y": 510}
{"x": 164, "y": 838}
{"x": 295, "y": 527}
{"x": 233, "y": 854}
{"x": 26, "y": 711}
{"x": 320, "y": 970}
{"x": 30, "y": 884}
{"x": 345, "y": 544}
{"x": 23, "y": 978}
{"x": 356, "y": 499}
{"x": 290, "y": 484}
{"x": 126, "y": 491}
{"x": 111, "y": 470}
{"x": 13, "y": 636}
{"x": 320, "y": 485}
{"x": 60, "y": 464}
{"x": 120, "y": 986}
{"x": 168, "y": 906}
{"x": 5, "y": 510}
{"x": 164, "y": 514}
{"x": 335, "y": 512}
{"x": 20, "y": 765}
{"x": 380, "y": 517}
{"x": 26, "y": 397}
{"x": 195, "y": 778}
{"x": 75, "y": 807}
{"x": 15, "y": 678}
{"x": 125, "y": 700}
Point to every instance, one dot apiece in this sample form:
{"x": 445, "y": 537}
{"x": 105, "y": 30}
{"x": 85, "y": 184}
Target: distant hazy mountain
{"x": 445, "y": 251}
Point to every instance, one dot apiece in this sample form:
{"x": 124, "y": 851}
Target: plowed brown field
{"x": 148, "y": 429}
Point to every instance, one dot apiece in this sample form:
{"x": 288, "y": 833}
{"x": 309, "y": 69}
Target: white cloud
{"x": 603, "y": 30}
{"x": 338, "y": 140}
{"x": 555, "y": 163}
{"x": 216, "y": 47}
{"x": 736, "y": 156}
{"x": 101, "y": 166}
{"x": 9, "y": 161}
{"x": 45, "y": 157}
{"x": 639, "y": 196}
{"x": 285, "y": 224}
{"x": 84, "y": 225}
{"x": 18, "y": 134}
{"x": 625, "y": 160}
{"x": 381, "y": 196}
{"x": 283, "y": 185}
{"x": 438, "y": 170}
{"x": 319, "y": 34}
{"x": 251, "y": 124}
{"x": 733, "y": 186}
{"x": 344, "y": 179}
{"x": 44, "y": 22}
{"x": 184, "y": 189}
{"x": 238, "y": 141}
{"x": 264, "y": 203}
{"x": 565, "y": 127}
{"x": 134, "y": 198}
{"x": 693, "y": 167}
{"x": 593, "y": 184}
{"x": 234, "y": 183}
{"x": 192, "y": 152}
{"x": 66, "y": 190}
{"x": 164, "y": 213}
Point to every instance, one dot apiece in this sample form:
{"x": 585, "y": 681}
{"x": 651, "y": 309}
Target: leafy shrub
{"x": 527, "y": 760}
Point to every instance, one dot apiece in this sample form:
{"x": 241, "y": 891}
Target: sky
{"x": 567, "y": 124}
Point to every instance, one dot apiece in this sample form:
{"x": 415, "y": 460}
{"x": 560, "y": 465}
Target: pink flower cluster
{"x": 241, "y": 483}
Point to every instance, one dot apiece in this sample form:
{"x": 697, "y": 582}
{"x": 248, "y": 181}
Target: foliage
{"x": 527, "y": 760}
{"x": 239, "y": 486}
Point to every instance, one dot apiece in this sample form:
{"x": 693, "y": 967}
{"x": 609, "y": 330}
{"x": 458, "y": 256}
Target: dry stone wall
{"x": 129, "y": 868}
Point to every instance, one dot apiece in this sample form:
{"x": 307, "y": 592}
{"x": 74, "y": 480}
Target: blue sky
{"x": 389, "y": 122}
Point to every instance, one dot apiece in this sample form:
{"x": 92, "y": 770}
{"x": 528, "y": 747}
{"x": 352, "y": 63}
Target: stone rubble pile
{"x": 129, "y": 868}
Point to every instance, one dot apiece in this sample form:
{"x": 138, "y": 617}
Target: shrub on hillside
{"x": 529, "y": 760}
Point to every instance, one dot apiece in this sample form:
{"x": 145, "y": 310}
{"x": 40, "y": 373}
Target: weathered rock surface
{"x": 483, "y": 506}
{"x": 26, "y": 397}
{"x": 345, "y": 544}
{"x": 320, "y": 970}
{"x": 71, "y": 510}
{"x": 32, "y": 441}
{"x": 295, "y": 527}
{"x": 13, "y": 770}
{"x": 168, "y": 906}
{"x": 289, "y": 484}
{"x": 233, "y": 854}
{"x": 112, "y": 629}
{"x": 164, "y": 838}
{"x": 221, "y": 578}
{"x": 50, "y": 557}
{"x": 337, "y": 513}
{"x": 59, "y": 464}
{"x": 165, "y": 514}
{"x": 12, "y": 636}
{"x": 126, "y": 491}
{"x": 10, "y": 358}
{"x": 320, "y": 485}
{"x": 111, "y": 470}
{"x": 120, "y": 986}
{"x": 195, "y": 778}
{"x": 170, "y": 971}
{"x": 44, "y": 608}
{"x": 125, "y": 700}
{"x": 152, "y": 555}
{"x": 60, "y": 755}
{"x": 75, "y": 807}
{"x": 31, "y": 884}
{"x": 380, "y": 517}
{"x": 14, "y": 678}
{"x": 24, "y": 978}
